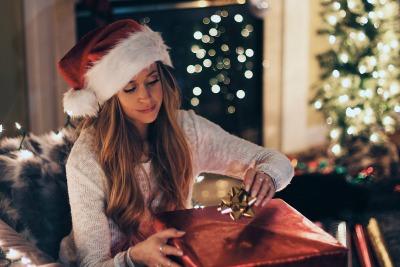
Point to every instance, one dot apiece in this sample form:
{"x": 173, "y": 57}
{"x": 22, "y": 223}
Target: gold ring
{"x": 161, "y": 248}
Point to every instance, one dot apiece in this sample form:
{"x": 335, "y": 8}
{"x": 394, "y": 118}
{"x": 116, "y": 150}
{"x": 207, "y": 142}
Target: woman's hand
{"x": 260, "y": 185}
{"x": 153, "y": 251}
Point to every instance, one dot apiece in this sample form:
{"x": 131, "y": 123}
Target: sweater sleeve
{"x": 219, "y": 152}
{"x": 90, "y": 226}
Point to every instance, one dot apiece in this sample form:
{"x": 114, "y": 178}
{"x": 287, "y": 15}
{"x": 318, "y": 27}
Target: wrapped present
{"x": 277, "y": 235}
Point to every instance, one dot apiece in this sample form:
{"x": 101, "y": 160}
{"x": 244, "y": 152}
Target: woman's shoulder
{"x": 82, "y": 153}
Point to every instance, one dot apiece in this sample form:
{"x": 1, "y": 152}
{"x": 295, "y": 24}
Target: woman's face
{"x": 142, "y": 97}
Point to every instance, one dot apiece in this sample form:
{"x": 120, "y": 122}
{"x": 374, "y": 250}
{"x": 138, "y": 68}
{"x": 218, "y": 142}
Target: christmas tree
{"x": 359, "y": 90}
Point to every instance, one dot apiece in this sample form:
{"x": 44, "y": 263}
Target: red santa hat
{"x": 105, "y": 60}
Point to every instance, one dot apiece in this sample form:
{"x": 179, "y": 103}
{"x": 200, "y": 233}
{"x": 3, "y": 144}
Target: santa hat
{"x": 105, "y": 60}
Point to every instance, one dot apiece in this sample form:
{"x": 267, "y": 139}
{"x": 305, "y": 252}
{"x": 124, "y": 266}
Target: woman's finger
{"x": 265, "y": 187}
{"x": 269, "y": 196}
{"x": 170, "y": 250}
{"x": 169, "y": 233}
{"x": 248, "y": 178}
{"x": 258, "y": 181}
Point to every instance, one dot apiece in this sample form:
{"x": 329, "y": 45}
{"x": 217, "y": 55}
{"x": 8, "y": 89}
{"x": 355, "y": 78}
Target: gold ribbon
{"x": 237, "y": 203}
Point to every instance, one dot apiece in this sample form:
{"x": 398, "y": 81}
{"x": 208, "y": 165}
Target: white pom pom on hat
{"x": 105, "y": 60}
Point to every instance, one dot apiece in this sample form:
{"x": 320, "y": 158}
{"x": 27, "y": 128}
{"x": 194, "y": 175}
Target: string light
{"x": 197, "y": 35}
{"x": 197, "y": 91}
{"x": 240, "y": 94}
{"x": 215, "y": 88}
{"x": 207, "y": 63}
{"x": 195, "y": 101}
{"x": 215, "y": 18}
{"x": 248, "y": 74}
{"x": 238, "y": 18}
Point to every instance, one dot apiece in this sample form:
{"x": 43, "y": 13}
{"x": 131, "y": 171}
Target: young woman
{"x": 137, "y": 153}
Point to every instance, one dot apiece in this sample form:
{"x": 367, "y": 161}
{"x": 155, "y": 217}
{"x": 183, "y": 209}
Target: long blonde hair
{"x": 119, "y": 147}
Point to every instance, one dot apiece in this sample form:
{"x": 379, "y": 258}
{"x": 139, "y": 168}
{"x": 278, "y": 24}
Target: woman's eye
{"x": 153, "y": 82}
{"x": 129, "y": 90}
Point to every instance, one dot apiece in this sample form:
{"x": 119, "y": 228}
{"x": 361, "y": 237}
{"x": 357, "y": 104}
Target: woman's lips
{"x": 148, "y": 110}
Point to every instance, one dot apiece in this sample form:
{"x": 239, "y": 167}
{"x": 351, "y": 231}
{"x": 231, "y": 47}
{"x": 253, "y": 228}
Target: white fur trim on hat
{"x": 79, "y": 103}
{"x": 131, "y": 55}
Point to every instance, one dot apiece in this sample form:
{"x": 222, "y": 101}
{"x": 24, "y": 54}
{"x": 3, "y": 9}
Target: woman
{"x": 137, "y": 153}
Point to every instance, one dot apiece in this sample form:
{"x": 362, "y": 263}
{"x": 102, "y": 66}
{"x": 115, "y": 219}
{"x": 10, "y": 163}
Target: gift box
{"x": 277, "y": 235}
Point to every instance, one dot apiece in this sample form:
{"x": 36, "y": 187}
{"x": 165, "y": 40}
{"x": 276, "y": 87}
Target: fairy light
{"x": 334, "y": 134}
{"x": 343, "y": 98}
{"x": 201, "y": 53}
{"x": 374, "y": 137}
{"x": 211, "y": 52}
{"x": 215, "y": 18}
{"x": 249, "y": 52}
{"x": 351, "y": 130}
{"x": 205, "y": 38}
{"x": 336, "y": 5}
{"x": 240, "y": 94}
{"x": 346, "y": 82}
{"x": 245, "y": 33}
{"x": 197, "y": 35}
{"x": 336, "y": 149}
{"x": 198, "y": 68}
{"x": 336, "y": 73}
{"x": 241, "y": 58}
{"x": 215, "y": 88}
{"x": 194, "y": 101}
{"x": 332, "y": 19}
{"x": 231, "y": 109}
{"x": 190, "y": 69}
{"x": 332, "y": 39}
{"x": 207, "y": 63}
{"x": 344, "y": 57}
{"x": 362, "y": 69}
{"x": 238, "y": 18}
{"x": 248, "y": 74}
{"x": 318, "y": 104}
{"x": 197, "y": 91}
{"x": 213, "y": 32}
{"x": 225, "y": 48}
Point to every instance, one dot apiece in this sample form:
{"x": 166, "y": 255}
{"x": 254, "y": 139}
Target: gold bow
{"x": 237, "y": 203}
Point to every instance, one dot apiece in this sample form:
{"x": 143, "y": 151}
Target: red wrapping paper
{"x": 278, "y": 235}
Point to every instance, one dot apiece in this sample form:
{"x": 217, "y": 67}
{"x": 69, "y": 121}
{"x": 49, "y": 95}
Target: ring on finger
{"x": 161, "y": 248}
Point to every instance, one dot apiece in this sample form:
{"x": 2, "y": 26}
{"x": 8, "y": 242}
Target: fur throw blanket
{"x": 33, "y": 187}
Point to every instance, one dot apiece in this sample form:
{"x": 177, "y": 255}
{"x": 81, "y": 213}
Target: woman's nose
{"x": 143, "y": 93}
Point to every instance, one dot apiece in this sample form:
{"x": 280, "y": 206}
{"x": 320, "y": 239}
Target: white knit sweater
{"x": 214, "y": 151}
